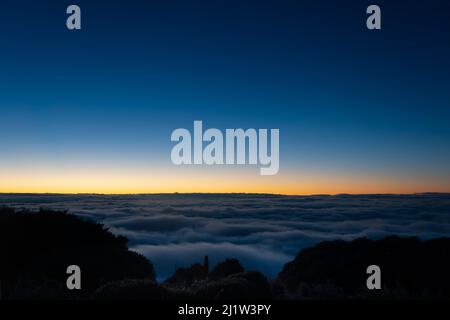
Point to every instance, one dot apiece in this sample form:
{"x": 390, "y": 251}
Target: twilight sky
{"x": 359, "y": 111}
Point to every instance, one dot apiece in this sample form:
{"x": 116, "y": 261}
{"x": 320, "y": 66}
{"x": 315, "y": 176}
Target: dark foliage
{"x": 226, "y": 268}
{"x": 136, "y": 290}
{"x": 185, "y": 277}
{"x": 228, "y": 280}
{"x": 238, "y": 286}
{"x": 409, "y": 268}
{"x": 37, "y": 248}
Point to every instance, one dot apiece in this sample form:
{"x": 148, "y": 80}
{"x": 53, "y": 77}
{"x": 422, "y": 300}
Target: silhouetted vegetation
{"x": 226, "y": 268}
{"x": 37, "y": 248}
{"x": 411, "y": 268}
{"x": 237, "y": 286}
{"x": 228, "y": 280}
{"x": 184, "y": 278}
{"x": 137, "y": 290}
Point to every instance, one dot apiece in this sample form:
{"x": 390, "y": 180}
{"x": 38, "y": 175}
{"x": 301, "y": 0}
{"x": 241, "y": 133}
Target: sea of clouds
{"x": 262, "y": 231}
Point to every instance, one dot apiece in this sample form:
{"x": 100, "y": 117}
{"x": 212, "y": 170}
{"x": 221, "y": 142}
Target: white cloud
{"x": 262, "y": 231}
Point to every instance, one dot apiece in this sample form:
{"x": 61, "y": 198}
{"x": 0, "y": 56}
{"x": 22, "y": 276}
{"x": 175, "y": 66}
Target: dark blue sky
{"x": 348, "y": 101}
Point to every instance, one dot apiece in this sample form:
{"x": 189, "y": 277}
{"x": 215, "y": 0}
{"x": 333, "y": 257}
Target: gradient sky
{"x": 359, "y": 111}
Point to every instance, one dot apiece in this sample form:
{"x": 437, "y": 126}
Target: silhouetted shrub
{"x": 226, "y": 268}
{"x": 135, "y": 290}
{"x": 409, "y": 268}
{"x": 239, "y": 286}
{"x": 185, "y": 277}
{"x": 37, "y": 247}
{"x": 228, "y": 280}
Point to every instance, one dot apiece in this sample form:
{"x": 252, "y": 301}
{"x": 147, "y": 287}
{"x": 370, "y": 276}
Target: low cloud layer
{"x": 262, "y": 231}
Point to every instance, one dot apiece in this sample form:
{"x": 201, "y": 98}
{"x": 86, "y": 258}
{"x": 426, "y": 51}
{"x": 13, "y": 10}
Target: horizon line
{"x": 219, "y": 193}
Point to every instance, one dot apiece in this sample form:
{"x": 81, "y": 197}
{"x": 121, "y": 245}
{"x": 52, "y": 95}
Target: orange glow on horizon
{"x": 197, "y": 180}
